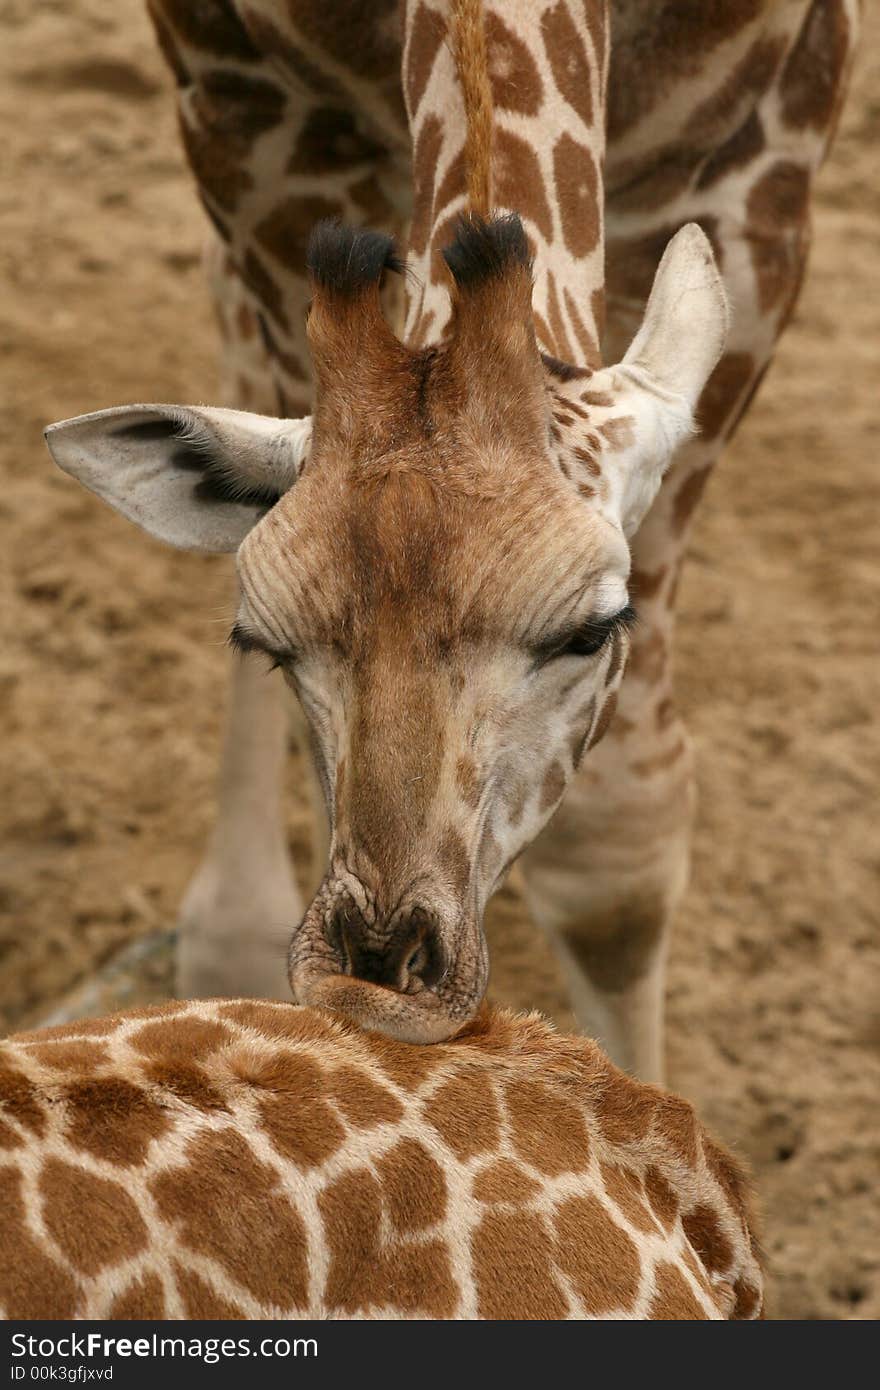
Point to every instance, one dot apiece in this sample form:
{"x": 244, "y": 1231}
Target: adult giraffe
{"x": 446, "y": 585}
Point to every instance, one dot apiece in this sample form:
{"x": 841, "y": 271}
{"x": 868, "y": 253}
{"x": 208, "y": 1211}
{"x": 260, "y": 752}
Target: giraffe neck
{"x": 547, "y": 69}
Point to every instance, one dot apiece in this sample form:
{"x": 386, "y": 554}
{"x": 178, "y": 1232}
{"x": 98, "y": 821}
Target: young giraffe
{"x": 718, "y": 115}
{"x": 231, "y": 1159}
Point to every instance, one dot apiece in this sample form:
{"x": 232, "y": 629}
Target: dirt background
{"x": 112, "y": 661}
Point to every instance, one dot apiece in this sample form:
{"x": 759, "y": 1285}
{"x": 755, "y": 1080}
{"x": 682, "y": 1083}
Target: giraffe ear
{"x": 656, "y": 387}
{"x": 686, "y": 318}
{"x": 196, "y": 478}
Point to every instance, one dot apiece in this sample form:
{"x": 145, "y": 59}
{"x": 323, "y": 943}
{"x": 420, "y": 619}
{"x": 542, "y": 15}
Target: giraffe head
{"x": 450, "y": 608}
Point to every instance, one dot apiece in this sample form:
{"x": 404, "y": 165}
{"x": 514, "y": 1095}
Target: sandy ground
{"x": 112, "y": 661}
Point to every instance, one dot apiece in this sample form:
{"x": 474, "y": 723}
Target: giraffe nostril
{"x": 407, "y": 955}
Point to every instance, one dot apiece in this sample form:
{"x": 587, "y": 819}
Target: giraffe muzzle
{"x": 415, "y": 979}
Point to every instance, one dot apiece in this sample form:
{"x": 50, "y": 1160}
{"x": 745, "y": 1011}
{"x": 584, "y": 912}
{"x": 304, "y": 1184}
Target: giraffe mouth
{"x": 419, "y": 1013}
{"x": 411, "y": 1018}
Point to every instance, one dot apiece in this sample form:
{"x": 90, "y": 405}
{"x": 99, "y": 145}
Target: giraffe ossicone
{"x": 378, "y": 566}
{"x": 238, "y": 1159}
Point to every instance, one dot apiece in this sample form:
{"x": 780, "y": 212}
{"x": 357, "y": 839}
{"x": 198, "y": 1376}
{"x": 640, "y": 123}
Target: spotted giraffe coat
{"x": 232, "y": 1159}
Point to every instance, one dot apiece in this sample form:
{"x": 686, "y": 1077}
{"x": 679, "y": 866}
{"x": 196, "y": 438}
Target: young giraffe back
{"x": 229, "y": 1159}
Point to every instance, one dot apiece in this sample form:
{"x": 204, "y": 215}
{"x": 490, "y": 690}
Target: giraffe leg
{"x": 276, "y": 142}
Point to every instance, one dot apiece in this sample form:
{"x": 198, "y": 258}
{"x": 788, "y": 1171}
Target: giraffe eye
{"x": 590, "y": 637}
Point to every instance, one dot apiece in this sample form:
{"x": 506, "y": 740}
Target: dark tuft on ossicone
{"x": 347, "y": 259}
{"x": 484, "y": 251}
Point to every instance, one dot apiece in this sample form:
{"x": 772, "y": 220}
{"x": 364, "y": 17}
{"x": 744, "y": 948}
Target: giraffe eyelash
{"x": 243, "y": 641}
{"x": 589, "y": 638}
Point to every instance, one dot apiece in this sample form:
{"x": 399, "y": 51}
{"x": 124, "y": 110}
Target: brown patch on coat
{"x": 32, "y": 1284}
{"x": 223, "y": 1202}
{"x": 568, "y": 59}
{"x": 547, "y": 1130}
{"x": 265, "y": 288}
{"x": 513, "y": 1270}
{"x": 606, "y": 714}
{"x": 663, "y": 1199}
{"x": 688, "y": 497}
{"x": 735, "y": 100}
{"x": 586, "y": 339}
{"x": 142, "y": 1301}
{"x": 183, "y": 1039}
{"x": 230, "y": 111}
{"x": 504, "y": 1181}
{"x": 406, "y": 1064}
{"x": 92, "y": 1220}
{"x": 414, "y": 1279}
{"x": 703, "y": 1230}
{"x": 413, "y": 1185}
{"x": 619, "y": 432}
{"x": 618, "y": 651}
{"x": 552, "y": 786}
{"x": 200, "y": 1300}
{"x": 672, "y": 39}
{"x": 776, "y": 209}
{"x": 88, "y": 1026}
{"x": 465, "y": 1114}
{"x": 748, "y": 1300}
{"x": 284, "y": 232}
{"x": 676, "y": 1123}
{"x": 427, "y": 33}
{"x": 673, "y": 1298}
{"x": 624, "y": 1107}
{"x": 690, "y": 1260}
{"x": 590, "y": 462}
{"x": 367, "y": 43}
{"x": 645, "y": 584}
{"x": 8, "y": 1137}
{"x": 579, "y": 739}
{"x": 624, "y": 1188}
{"x": 215, "y": 29}
{"x": 739, "y": 150}
{"x": 330, "y": 141}
{"x": 722, "y": 391}
{"x": 642, "y": 188}
{"x": 513, "y": 73}
{"x": 616, "y": 948}
{"x": 426, "y": 153}
{"x": 362, "y": 1100}
{"x": 21, "y": 1099}
{"x": 80, "y": 1056}
{"x": 296, "y": 1114}
{"x": 597, "y": 1255}
{"x": 577, "y": 194}
{"x": 284, "y": 1022}
{"x": 368, "y": 195}
{"x": 187, "y": 1081}
{"x": 112, "y": 1119}
{"x": 810, "y": 88}
{"x": 518, "y": 182}
{"x": 562, "y": 344}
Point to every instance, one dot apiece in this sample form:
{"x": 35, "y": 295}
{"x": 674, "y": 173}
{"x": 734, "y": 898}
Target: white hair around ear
{"x": 194, "y": 477}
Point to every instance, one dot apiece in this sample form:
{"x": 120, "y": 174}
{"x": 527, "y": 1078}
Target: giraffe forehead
{"x": 419, "y": 546}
